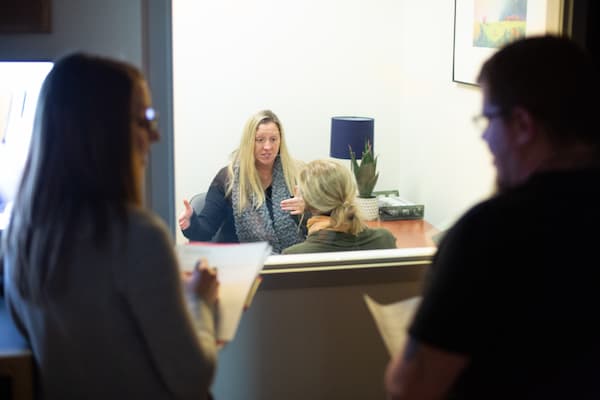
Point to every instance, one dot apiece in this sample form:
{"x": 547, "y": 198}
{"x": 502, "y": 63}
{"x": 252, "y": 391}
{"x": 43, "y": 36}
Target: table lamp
{"x": 353, "y": 132}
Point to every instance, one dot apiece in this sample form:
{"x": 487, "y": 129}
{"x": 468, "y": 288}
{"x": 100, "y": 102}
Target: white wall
{"x": 443, "y": 162}
{"x": 311, "y": 60}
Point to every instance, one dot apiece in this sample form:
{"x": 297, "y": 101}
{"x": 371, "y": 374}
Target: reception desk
{"x": 308, "y": 333}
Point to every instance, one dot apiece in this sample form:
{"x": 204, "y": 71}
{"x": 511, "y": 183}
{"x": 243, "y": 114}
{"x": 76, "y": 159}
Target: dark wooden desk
{"x": 408, "y": 233}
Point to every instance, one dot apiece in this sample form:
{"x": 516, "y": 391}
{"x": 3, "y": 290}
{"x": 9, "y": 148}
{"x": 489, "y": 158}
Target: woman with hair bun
{"x": 329, "y": 190}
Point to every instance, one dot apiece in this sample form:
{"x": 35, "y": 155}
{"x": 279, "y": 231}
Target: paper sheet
{"x": 238, "y": 266}
{"x": 392, "y": 321}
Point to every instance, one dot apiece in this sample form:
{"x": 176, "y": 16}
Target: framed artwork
{"x": 481, "y": 27}
{"x": 25, "y": 16}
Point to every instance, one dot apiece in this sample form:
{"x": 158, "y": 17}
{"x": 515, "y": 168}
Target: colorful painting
{"x": 481, "y": 27}
{"x": 498, "y": 22}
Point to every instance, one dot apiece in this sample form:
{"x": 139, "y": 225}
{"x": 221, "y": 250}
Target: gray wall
{"x": 123, "y": 29}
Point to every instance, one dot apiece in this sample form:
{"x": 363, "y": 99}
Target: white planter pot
{"x": 368, "y": 208}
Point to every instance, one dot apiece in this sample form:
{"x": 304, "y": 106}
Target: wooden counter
{"x": 408, "y": 233}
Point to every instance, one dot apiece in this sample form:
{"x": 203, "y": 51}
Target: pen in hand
{"x": 203, "y": 282}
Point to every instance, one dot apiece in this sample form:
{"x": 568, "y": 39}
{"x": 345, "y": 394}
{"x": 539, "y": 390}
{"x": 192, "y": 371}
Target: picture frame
{"x": 481, "y": 27}
{"x": 25, "y": 16}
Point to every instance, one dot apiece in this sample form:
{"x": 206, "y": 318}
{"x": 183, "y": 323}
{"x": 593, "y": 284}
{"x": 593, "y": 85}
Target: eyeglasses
{"x": 482, "y": 121}
{"x": 150, "y": 120}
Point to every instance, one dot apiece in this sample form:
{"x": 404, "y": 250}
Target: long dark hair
{"x": 79, "y": 169}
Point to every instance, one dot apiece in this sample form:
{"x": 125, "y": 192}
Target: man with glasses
{"x": 510, "y": 310}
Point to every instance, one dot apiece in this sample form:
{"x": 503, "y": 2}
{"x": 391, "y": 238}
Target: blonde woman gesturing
{"x": 252, "y": 198}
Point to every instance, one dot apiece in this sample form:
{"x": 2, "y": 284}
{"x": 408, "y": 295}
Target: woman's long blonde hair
{"x": 330, "y": 189}
{"x": 249, "y": 180}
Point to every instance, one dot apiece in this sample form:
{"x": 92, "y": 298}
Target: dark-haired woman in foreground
{"x": 92, "y": 281}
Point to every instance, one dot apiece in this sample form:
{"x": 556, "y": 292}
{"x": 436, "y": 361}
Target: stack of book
{"x": 394, "y": 207}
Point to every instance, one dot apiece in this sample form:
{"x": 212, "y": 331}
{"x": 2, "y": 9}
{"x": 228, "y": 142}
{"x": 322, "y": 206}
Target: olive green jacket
{"x": 326, "y": 240}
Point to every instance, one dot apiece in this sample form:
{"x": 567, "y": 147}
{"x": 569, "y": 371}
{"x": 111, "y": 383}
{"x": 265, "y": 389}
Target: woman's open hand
{"x": 295, "y": 205}
{"x": 185, "y": 216}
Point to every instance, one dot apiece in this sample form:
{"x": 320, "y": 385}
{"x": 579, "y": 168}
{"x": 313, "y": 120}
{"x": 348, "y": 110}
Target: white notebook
{"x": 238, "y": 267}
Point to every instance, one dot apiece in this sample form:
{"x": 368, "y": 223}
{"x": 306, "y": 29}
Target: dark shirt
{"x": 515, "y": 287}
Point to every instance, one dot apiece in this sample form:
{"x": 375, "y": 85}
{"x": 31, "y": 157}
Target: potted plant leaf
{"x": 366, "y": 176}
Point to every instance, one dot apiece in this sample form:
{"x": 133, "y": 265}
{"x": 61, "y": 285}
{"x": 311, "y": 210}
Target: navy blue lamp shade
{"x": 350, "y": 131}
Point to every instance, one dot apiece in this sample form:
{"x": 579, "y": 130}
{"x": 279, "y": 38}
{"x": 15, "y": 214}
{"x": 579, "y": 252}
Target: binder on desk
{"x": 238, "y": 268}
{"x": 393, "y": 207}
